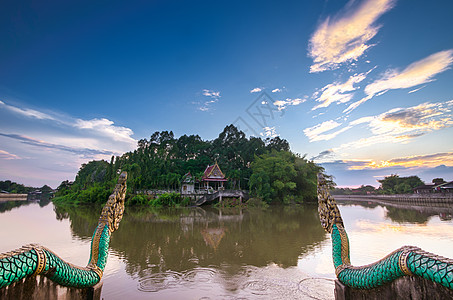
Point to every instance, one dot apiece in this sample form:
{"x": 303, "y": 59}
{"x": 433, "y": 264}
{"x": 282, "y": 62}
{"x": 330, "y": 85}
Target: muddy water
{"x": 195, "y": 253}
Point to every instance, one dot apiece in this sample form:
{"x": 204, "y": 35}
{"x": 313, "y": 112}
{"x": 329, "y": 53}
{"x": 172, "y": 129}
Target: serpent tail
{"x": 35, "y": 259}
{"x": 405, "y": 261}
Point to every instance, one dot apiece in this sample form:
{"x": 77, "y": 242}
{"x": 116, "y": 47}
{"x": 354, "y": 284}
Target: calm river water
{"x": 207, "y": 253}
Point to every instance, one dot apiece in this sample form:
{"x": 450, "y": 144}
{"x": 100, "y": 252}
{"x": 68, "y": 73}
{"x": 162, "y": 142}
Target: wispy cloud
{"x": 52, "y": 146}
{"x": 256, "y": 90}
{"x": 400, "y": 125}
{"x": 338, "y": 92}
{"x": 416, "y": 161}
{"x": 42, "y": 144}
{"x": 344, "y": 37}
{"x": 417, "y": 73}
{"x": 318, "y": 132}
{"x": 212, "y": 94}
{"x": 27, "y": 112}
{"x": 276, "y": 90}
{"x": 416, "y": 90}
{"x": 282, "y": 104}
{"x": 397, "y": 125}
{"x": 7, "y": 155}
{"x": 214, "y": 97}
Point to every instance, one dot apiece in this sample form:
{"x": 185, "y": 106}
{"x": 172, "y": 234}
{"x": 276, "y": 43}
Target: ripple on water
{"x": 159, "y": 281}
{"x": 170, "y": 279}
{"x": 256, "y": 287}
{"x": 197, "y": 275}
{"x": 317, "y": 288}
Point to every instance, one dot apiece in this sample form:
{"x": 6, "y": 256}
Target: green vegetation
{"x": 281, "y": 176}
{"x": 394, "y": 184}
{"x": 266, "y": 167}
{"x": 167, "y": 199}
{"x": 17, "y": 188}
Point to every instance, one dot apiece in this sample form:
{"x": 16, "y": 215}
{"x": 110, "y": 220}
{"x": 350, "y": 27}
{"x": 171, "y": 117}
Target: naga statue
{"x": 34, "y": 259}
{"x": 407, "y": 260}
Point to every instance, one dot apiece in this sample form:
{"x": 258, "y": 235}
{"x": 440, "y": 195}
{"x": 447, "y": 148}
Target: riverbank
{"x": 415, "y": 199}
{"x": 13, "y": 197}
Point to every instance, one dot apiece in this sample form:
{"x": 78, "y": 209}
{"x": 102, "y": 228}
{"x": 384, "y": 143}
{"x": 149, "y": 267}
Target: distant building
{"x": 213, "y": 178}
{"x": 424, "y": 189}
{"x": 438, "y": 186}
{"x": 188, "y": 184}
{"x": 446, "y": 187}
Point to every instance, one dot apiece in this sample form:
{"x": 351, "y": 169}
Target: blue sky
{"x": 362, "y": 87}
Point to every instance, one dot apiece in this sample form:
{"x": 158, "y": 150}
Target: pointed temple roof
{"x": 213, "y": 173}
{"x": 187, "y": 178}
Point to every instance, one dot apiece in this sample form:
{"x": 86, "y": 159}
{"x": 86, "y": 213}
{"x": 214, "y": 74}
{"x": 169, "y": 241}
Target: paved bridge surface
{"x": 207, "y": 198}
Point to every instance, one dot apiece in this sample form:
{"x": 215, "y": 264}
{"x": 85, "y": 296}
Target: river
{"x": 208, "y": 253}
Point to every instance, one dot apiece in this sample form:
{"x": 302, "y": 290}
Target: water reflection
{"x": 9, "y": 205}
{"x": 42, "y": 199}
{"x": 401, "y": 213}
{"x": 230, "y": 253}
{"x": 158, "y": 240}
{"x": 195, "y": 248}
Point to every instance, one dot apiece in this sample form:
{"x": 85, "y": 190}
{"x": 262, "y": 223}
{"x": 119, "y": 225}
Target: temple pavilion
{"x": 213, "y": 178}
{"x": 188, "y": 184}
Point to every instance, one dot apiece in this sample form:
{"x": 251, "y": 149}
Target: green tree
{"x": 283, "y": 177}
{"x": 394, "y": 184}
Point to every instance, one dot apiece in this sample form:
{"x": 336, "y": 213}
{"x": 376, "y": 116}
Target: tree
{"x": 394, "y": 184}
{"x": 282, "y": 177}
{"x": 160, "y": 162}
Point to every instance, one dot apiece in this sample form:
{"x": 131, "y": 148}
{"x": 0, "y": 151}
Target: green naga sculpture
{"x": 407, "y": 260}
{"x": 34, "y": 259}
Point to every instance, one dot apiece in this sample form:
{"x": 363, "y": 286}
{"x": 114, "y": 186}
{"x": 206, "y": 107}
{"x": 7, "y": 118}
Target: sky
{"x": 363, "y": 88}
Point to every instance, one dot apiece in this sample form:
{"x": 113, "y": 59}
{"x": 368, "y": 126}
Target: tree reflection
{"x": 158, "y": 240}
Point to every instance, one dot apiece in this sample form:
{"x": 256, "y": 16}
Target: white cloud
{"x": 317, "y": 132}
{"x": 210, "y": 93}
{"x": 276, "y": 90}
{"x": 416, "y": 90}
{"x": 345, "y": 37}
{"x": 338, "y": 92}
{"x": 417, "y": 73}
{"x": 107, "y": 129}
{"x": 256, "y": 90}
{"x": 54, "y": 146}
{"x": 282, "y": 104}
{"x": 400, "y": 125}
{"x": 206, "y": 105}
{"x": 269, "y": 132}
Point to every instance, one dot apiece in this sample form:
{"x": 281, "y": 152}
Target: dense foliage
{"x": 394, "y": 184}
{"x": 281, "y": 176}
{"x": 267, "y": 167}
{"x": 18, "y": 188}
{"x": 15, "y": 188}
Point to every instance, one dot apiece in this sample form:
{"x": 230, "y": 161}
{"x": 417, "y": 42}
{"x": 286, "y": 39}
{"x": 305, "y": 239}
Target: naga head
{"x": 329, "y": 214}
{"x": 112, "y": 213}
